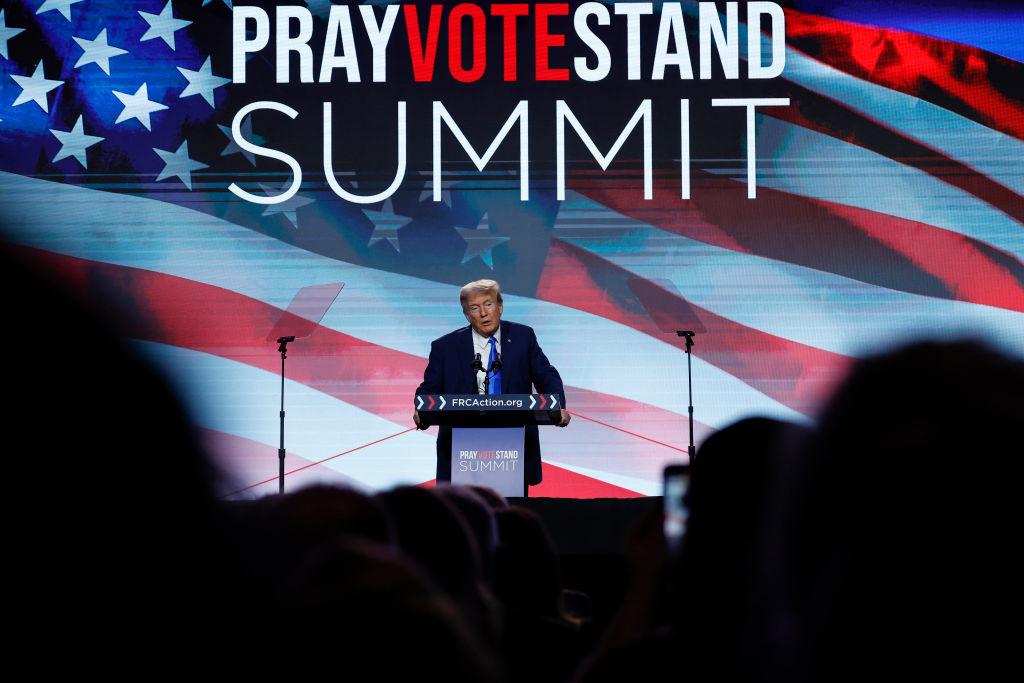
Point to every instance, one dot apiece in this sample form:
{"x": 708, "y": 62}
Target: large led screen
{"x": 799, "y": 183}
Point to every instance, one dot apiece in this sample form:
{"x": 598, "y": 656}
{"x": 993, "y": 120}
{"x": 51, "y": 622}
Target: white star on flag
{"x": 62, "y": 6}
{"x": 178, "y": 164}
{"x": 289, "y": 207}
{"x": 35, "y": 87}
{"x": 97, "y": 51}
{"x": 202, "y": 82}
{"x": 385, "y": 224}
{"x": 232, "y": 146}
{"x": 480, "y": 242}
{"x": 162, "y": 25}
{"x": 74, "y": 142}
{"x": 137, "y": 106}
{"x": 6, "y": 33}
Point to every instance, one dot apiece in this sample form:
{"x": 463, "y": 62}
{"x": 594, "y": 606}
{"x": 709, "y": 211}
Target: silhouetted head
{"x": 365, "y": 610}
{"x": 113, "y": 517}
{"x": 433, "y": 532}
{"x": 717, "y": 583}
{"x": 492, "y": 497}
{"x": 529, "y": 576}
{"x": 480, "y": 519}
{"x": 904, "y": 508}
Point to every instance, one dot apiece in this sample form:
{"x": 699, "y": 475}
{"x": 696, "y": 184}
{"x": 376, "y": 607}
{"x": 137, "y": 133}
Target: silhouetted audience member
{"x": 718, "y": 593}
{"x": 370, "y": 614}
{"x": 880, "y": 543}
{"x": 905, "y": 518}
{"x": 493, "y": 498}
{"x": 433, "y": 532}
{"x": 689, "y": 615}
{"x": 320, "y": 513}
{"x": 280, "y": 531}
{"x": 543, "y": 643}
{"x": 121, "y": 558}
{"x": 480, "y": 519}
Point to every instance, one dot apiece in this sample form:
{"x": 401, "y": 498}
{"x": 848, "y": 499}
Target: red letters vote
{"x": 423, "y": 50}
{"x": 479, "y": 34}
{"x": 422, "y": 58}
{"x": 510, "y": 11}
{"x": 546, "y": 40}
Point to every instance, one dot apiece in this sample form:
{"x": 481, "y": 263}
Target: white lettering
{"x": 379, "y": 37}
{"x": 236, "y": 133}
{"x": 329, "y": 162}
{"x": 299, "y": 44}
{"x": 604, "y": 58}
{"x": 684, "y": 149}
{"x": 339, "y": 24}
{"x": 563, "y": 114}
{"x": 672, "y": 23}
{"x": 633, "y": 11}
{"x": 755, "y": 69}
{"x": 240, "y": 45}
{"x": 521, "y": 114}
{"x": 726, "y": 41}
{"x": 750, "y": 103}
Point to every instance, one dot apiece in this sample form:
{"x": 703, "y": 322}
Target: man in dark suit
{"x": 523, "y": 366}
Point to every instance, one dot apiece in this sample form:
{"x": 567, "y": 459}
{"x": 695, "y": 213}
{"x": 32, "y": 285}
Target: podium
{"x": 488, "y": 433}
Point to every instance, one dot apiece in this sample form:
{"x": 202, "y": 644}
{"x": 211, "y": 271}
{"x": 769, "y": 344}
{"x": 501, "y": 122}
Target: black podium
{"x": 488, "y": 431}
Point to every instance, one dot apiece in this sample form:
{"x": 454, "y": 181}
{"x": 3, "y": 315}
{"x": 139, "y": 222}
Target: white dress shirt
{"x": 482, "y": 346}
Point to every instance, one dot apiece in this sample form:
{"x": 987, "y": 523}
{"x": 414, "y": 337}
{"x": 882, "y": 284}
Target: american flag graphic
{"x": 890, "y": 204}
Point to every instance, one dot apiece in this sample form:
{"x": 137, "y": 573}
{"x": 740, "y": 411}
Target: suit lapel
{"x": 510, "y": 356}
{"x": 508, "y": 335}
{"x": 466, "y": 379}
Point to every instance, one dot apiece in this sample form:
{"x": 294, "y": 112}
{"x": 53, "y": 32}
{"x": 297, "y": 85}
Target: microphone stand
{"x": 494, "y": 369}
{"x": 478, "y": 366}
{"x": 283, "y": 348}
{"x": 689, "y": 381}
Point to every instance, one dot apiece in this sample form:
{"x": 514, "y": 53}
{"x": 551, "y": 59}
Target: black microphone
{"x": 496, "y": 365}
{"x": 478, "y": 364}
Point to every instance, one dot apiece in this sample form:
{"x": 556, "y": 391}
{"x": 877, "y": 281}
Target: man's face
{"x": 483, "y": 313}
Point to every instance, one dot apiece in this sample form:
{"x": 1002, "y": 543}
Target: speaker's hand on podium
{"x": 416, "y": 419}
{"x": 563, "y": 420}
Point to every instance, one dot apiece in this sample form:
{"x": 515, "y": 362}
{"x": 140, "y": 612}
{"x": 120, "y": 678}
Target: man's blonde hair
{"x": 479, "y": 287}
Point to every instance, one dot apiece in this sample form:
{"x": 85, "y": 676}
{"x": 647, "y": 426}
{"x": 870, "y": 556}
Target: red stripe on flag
{"x": 861, "y": 244}
{"x": 563, "y": 483}
{"x": 794, "y": 374}
{"x": 254, "y": 461}
{"x": 313, "y": 468}
{"x": 819, "y": 113}
{"x": 639, "y": 436}
{"x": 974, "y": 83}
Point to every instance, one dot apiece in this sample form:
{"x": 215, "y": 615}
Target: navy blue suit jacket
{"x": 523, "y": 366}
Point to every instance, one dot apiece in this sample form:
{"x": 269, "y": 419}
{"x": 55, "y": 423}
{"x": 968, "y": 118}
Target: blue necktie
{"x": 494, "y": 387}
